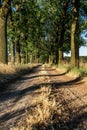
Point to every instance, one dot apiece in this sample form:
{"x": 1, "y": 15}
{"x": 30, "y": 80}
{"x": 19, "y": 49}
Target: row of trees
{"x": 41, "y": 31}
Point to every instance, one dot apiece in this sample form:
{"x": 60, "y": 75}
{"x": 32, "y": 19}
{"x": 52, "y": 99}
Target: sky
{"x": 82, "y": 51}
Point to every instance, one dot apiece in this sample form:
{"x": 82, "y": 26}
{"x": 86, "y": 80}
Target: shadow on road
{"x": 12, "y": 78}
{"x": 17, "y": 93}
{"x": 75, "y": 118}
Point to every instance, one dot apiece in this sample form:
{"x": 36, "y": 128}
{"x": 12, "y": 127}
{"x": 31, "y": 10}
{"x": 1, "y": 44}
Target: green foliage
{"x": 42, "y": 26}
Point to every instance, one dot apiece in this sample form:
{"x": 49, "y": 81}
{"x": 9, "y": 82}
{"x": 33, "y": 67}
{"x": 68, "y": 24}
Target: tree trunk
{"x": 56, "y": 57}
{"x": 18, "y": 58}
{"x": 12, "y": 53}
{"x": 62, "y": 30}
{"x": 4, "y": 12}
{"x": 50, "y": 59}
{"x": 23, "y": 57}
{"x": 60, "y": 48}
{"x": 31, "y": 58}
{"x": 22, "y": 60}
{"x": 74, "y": 34}
{"x": 27, "y": 55}
{"x": 61, "y": 42}
{"x": 60, "y": 61}
{"x": 73, "y": 45}
{"x": 3, "y": 41}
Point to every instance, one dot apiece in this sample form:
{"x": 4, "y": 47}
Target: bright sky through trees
{"x": 82, "y": 51}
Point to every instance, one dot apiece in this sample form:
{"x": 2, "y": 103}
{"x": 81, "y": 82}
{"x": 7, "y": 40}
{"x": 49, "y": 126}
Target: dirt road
{"x": 71, "y": 98}
{"x": 70, "y": 94}
{"x": 17, "y": 98}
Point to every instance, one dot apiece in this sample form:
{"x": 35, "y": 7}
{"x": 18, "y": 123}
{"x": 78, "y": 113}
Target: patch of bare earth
{"x": 71, "y": 100}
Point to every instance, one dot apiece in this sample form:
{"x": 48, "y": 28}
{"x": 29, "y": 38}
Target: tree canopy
{"x": 41, "y": 31}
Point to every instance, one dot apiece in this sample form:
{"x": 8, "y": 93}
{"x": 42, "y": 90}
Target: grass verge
{"x": 72, "y": 71}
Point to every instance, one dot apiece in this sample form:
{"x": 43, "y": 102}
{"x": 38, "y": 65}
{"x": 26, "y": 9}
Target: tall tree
{"x": 75, "y": 33}
{"x": 4, "y": 11}
{"x": 63, "y": 20}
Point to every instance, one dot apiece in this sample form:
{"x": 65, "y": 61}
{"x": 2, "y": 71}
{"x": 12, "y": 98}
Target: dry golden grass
{"x": 4, "y": 69}
{"x": 69, "y": 70}
{"x": 40, "y": 113}
{"x": 8, "y": 72}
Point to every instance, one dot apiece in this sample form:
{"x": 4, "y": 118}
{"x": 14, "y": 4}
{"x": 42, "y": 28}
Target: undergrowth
{"x": 78, "y": 72}
{"x": 73, "y": 71}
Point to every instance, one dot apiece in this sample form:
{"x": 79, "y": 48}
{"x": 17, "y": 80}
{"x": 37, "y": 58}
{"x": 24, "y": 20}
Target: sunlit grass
{"x": 40, "y": 113}
{"x": 8, "y": 72}
{"x": 72, "y": 71}
{"x": 83, "y": 71}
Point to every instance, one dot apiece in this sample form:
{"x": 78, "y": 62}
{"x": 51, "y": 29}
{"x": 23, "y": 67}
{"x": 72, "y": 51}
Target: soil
{"x": 71, "y": 98}
{"x": 70, "y": 94}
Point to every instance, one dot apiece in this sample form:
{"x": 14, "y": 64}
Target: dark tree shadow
{"x": 37, "y": 76}
{"x": 9, "y": 115}
{"x": 12, "y": 117}
{"x": 75, "y": 122}
{"x": 71, "y": 124}
{"x": 4, "y": 84}
{"x": 20, "y": 93}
